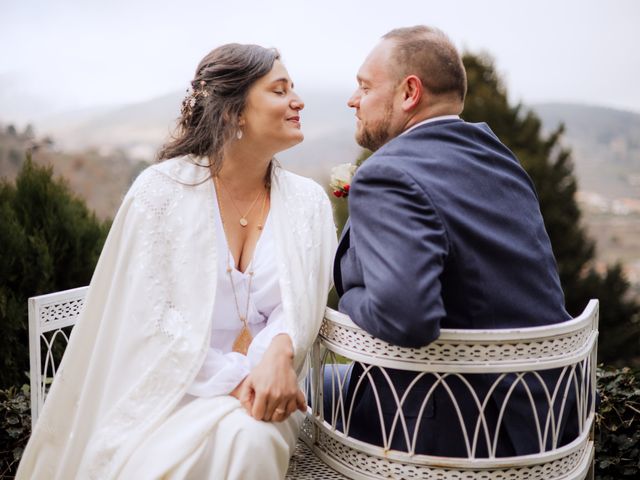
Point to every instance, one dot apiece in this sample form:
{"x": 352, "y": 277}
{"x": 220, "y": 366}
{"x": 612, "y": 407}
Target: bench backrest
{"x": 51, "y": 318}
{"x": 549, "y": 372}
{"x": 569, "y": 347}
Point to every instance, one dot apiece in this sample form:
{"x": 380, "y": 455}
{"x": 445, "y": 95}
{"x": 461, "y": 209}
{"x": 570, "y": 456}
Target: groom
{"x": 445, "y": 231}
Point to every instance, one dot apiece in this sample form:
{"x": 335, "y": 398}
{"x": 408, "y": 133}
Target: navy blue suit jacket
{"x": 445, "y": 231}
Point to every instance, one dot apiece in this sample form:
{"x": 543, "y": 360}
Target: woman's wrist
{"x": 282, "y": 347}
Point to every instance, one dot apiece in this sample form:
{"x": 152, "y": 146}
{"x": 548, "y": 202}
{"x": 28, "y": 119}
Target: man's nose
{"x": 354, "y": 101}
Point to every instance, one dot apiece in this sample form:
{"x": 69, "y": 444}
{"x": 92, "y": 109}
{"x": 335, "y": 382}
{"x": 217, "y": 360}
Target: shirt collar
{"x": 429, "y": 120}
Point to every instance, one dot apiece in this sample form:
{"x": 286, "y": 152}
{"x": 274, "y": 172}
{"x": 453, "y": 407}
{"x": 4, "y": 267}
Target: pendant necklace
{"x": 243, "y": 340}
{"x": 243, "y": 218}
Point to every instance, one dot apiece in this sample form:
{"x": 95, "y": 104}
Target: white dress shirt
{"x": 429, "y": 120}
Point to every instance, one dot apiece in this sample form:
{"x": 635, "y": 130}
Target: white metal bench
{"x": 327, "y": 451}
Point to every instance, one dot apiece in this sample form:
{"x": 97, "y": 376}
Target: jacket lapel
{"x": 343, "y": 245}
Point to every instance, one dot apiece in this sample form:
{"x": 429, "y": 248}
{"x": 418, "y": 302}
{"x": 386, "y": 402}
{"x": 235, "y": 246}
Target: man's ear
{"x": 412, "y": 91}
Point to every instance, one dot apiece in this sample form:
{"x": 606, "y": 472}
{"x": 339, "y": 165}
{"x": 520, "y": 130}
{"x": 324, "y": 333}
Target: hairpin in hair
{"x": 193, "y": 94}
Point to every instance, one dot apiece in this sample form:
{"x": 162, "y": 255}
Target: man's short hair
{"x": 429, "y": 54}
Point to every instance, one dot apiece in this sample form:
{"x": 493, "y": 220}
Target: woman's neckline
{"x": 232, "y": 260}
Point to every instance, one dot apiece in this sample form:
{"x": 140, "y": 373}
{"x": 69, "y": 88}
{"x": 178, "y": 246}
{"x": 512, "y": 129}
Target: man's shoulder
{"x": 454, "y": 125}
{"x": 384, "y": 162}
{"x": 435, "y": 156}
{"x": 443, "y": 132}
{"x": 437, "y": 141}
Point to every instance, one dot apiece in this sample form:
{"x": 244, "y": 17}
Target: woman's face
{"x": 271, "y": 116}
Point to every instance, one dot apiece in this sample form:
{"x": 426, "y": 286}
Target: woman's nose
{"x": 297, "y": 103}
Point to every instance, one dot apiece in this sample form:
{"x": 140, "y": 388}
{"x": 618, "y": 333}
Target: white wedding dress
{"x": 138, "y": 393}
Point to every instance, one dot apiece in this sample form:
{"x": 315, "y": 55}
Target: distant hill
{"x": 140, "y": 129}
{"x": 605, "y": 144}
{"x": 606, "y": 151}
{"x": 101, "y": 179}
{"x": 100, "y": 151}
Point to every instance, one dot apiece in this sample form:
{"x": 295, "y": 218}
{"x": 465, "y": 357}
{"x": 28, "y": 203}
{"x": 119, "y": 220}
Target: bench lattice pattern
{"x": 326, "y": 451}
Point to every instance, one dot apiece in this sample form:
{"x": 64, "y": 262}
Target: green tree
{"x": 49, "y": 241}
{"x": 551, "y": 169}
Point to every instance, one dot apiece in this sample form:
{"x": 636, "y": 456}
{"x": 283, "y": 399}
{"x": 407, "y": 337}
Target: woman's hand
{"x": 270, "y": 392}
{"x": 244, "y": 394}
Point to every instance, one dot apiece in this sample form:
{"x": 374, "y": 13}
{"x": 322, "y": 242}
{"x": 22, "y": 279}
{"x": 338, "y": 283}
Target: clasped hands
{"x": 271, "y": 392}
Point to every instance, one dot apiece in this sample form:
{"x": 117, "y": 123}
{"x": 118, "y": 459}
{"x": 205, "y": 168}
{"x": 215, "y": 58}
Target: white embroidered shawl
{"x": 145, "y": 327}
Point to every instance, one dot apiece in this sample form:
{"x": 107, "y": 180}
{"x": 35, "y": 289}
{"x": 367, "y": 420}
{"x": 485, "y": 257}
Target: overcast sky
{"x": 64, "y": 54}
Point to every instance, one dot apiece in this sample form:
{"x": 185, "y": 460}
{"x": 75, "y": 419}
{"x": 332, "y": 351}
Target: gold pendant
{"x": 242, "y": 341}
{"x": 243, "y": 222}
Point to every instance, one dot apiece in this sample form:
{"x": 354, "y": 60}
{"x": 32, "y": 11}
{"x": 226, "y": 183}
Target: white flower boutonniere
{"x": 341, "y": 179}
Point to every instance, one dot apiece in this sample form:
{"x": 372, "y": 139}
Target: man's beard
{"x": 376, "y": 135}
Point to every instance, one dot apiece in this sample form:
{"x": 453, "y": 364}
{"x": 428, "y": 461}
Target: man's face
{"x": 374, "y": 99}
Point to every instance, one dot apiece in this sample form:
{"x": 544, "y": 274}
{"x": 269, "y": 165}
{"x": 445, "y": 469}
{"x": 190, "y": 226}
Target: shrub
{"x": 15, "y": 428}
{"x": 49, "y": 241}
{"x": 618, "y": 424}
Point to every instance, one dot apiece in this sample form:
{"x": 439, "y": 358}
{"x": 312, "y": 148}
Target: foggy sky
{"x": 64, "y": 55}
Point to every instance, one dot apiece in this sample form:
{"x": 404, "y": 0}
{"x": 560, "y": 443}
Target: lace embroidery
{"x": 165, "y": 249}
{"x": 308, "y": 206}
{"x": 181, "y": 331}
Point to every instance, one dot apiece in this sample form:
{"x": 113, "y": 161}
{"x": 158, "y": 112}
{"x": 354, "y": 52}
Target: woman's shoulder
{"x": 303, "y": 196}
{"x": 148, "y": 180}
{"x": 162, "y": 188}
{"x": 184, "y": 170}
{"x": 299, "y": 184}
{"x": 170, "y": 175}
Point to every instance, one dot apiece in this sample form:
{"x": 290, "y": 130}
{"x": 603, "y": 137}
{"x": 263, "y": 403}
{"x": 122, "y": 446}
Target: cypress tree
{"x": 550, "y": 166}
{"x": 49, "y": 241}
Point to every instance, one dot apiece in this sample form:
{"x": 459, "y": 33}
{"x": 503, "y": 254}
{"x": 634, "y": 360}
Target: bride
{"x": 209, "y": 291}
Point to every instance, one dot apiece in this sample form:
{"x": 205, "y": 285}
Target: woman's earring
{"x": 239, "y": 134}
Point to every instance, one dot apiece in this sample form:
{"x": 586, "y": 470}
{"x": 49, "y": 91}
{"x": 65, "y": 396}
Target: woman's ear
{"x": 412, "y": 91}
{"x": 227, "y": 116}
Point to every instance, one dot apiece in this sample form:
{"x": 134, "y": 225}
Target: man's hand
{"x": 270, "y": 392}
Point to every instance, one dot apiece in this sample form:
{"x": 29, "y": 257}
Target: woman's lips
{"x": 294, "y": 120}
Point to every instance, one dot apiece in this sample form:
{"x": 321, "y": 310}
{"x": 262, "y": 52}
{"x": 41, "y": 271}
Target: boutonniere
{"x": 341, "y": 179}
